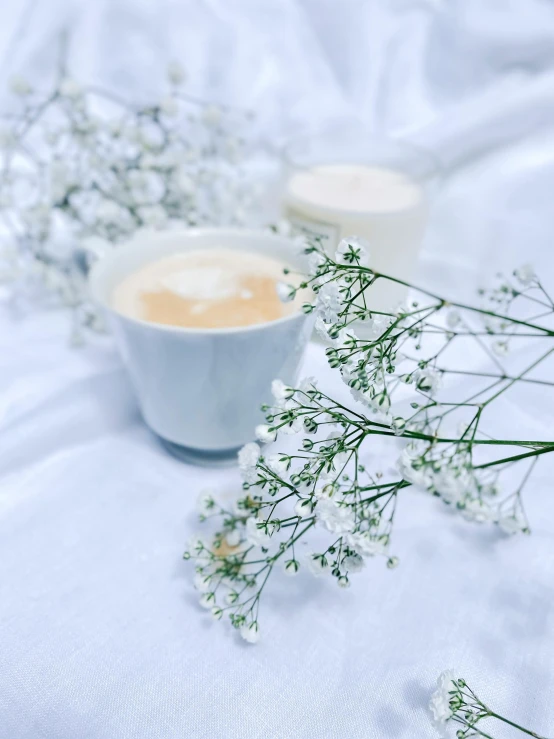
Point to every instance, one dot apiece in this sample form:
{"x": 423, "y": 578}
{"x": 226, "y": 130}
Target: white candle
{"x": 382, "y": 205}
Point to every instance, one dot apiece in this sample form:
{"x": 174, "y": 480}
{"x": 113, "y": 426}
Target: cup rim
{"x": 102, "y": 263}
{"x": 434, "y": 169}
{"x": 436, "y": 164}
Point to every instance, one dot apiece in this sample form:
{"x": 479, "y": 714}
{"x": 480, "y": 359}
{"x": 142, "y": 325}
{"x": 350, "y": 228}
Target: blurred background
{"x": 472, "y": 80}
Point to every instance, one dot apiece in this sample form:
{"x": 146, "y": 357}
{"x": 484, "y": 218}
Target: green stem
{"x": 522, "y": 374}
{"x": 515, "y": 458}
{"x": 498, "y": 377}
{"x": 516, "y": 726}
{"x": 443, "y": 301}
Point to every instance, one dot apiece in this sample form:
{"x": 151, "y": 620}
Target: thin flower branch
{"x": 333, "y": 492}
{"x": 454, "y": 704}
{"x": 82, "y": 162}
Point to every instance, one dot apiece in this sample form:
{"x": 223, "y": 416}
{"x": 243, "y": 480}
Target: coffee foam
{"x": 208, "y": 288}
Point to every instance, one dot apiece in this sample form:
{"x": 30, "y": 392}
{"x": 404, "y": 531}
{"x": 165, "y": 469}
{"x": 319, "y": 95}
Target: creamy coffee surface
{"x": 209, "y": 288}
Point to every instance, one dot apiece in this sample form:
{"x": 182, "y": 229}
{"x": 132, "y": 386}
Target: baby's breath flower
{"x": 153, "y": 215}
{"x": 20, "y": 85}
{"x": 525, "y": 274}
{"x": 279, "y": 464}
{"x": 233, "y": 538}
{"x": 453, "y": 485}
{"x": 353, "y": 250}
{"x": 285, "y": 292}
{"x": 512, "y": 523}
{"x": 169, "y": 106}
{"x": 291, "y": 567}
{"x": 364, "y": 544}
{"x": 308, "y": 384}
{"x": 255, "y": 533}
{"x": 322, "y": 328}
{"x": 202, "y": 582}
{"x": 109, "y": 173}
{"x": 266, "y": 434}
{"x": 303, "y": 507}
{"x": 292, "y": 426}
{"x": 398, "y": 424}
{"x": 69, "y": 88}
{"x": 207, "y": 600}
{"x": 453, "y": 318}
{"x": 324, "y": 488}
{"x": 205, "y": 503}
{"x": 280, "y": 391}
{"x": 176, "y": 73}
{"x": 211, "y": 115}
{"x": 250, "y": 632}
{"x": 108, "y": 211}
{"x": 427, "y": 380}
{"x": 329, "y": 301}
{"x": 7, "y": 140}
{"x": 317, "y": 564}
{"x": 477, "y": 510}
{"x": 417, "y": 474}
{"x": 440, "y": 700}
{"x": 454, "y": 701}
{"x": 500, "y": 348}
{"x": 323, "y": 492}
{"x": 354, "y": 563}
{"x": 315, "y": 261}
{"x": 248, "y": 458}
{"x": 339, "y": 519}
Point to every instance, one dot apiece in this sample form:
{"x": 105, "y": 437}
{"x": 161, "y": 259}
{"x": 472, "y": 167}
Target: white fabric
{"x": 100, "y": 633}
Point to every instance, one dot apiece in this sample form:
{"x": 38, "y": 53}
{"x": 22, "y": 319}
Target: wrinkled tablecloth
{"x": 101, "y": 636}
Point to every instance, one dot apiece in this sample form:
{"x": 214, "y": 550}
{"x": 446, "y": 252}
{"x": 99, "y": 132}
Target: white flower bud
{"x": 277, "y": 465}
{"x": 453, "y": 318}
{"x": 265, "y": 433}
{"x": 291, "y": 567}
{"x": 205, "y": 502}
{"x": 303, "y": 507}
{"x": 207, "y": 600}
{"x": 353, "y": 250}
{"x": 185, "y": 183}
{"x": 153, "y": 215}
{"x": 525, "y": 274}
{"x": 169, "y": 106}
{"x": 233, "y": 538}
{"x": 20, "y": 86}
{"x": 255, "y": 533}
{"x": 69, "y": 88}
{"x": 285, "y": 292}
{"x": 354, "y": 563}
{"x": 500, "y": 348}
{"x": 211, "y": 115}
{"x": 202, "y": 582}
{"x": 317, "y": 564}
{"x": 176, "y": 73}
{"x": 250, "y": 632}
{"x": 7, "y": 139}
{"x": 280, "y": 391}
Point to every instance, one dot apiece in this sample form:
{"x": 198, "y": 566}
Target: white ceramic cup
{"x": 200, "y": 390}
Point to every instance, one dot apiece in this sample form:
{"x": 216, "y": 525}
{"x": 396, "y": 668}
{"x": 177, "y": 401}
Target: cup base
{"x": 220, "y": 458}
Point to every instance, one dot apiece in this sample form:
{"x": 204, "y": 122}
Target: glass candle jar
{"x": 341, "y": 184}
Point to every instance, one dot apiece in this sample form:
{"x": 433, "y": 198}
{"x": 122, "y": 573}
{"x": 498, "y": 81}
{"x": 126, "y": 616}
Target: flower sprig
{"x": 80, "y": 162}
{"x": 454, "y": 704}
{"x": 401, "y": 369}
